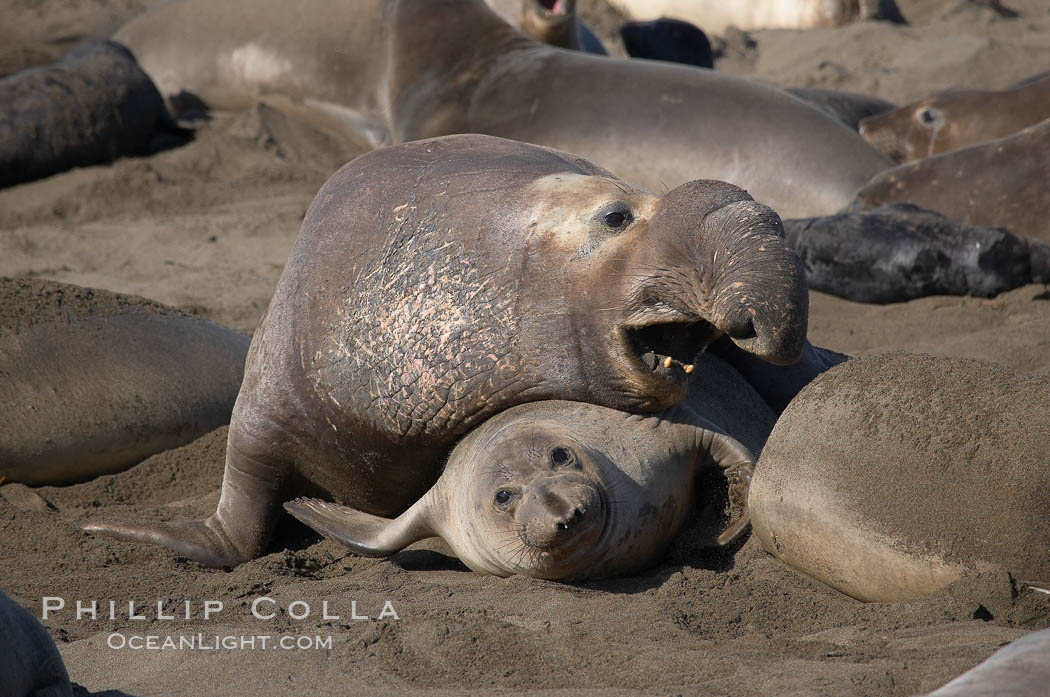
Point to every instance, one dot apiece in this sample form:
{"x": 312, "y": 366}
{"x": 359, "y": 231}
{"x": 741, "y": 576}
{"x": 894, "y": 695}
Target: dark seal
{"x": 93, "y": 106}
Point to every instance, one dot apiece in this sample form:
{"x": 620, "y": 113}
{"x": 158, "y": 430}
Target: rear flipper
{"x": 364, "y": 533}
{"x": 204, "y": 541}
{"x": 236, "y": 532}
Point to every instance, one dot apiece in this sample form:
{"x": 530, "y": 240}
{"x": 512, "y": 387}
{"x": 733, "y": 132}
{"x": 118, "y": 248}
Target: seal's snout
{"x": 568, "y": 520}
{"x": 736, "y": 272}
{"x": 560, "y": 512}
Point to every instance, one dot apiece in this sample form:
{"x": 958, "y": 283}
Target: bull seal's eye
{"x": 615, "y": 215}
{"x": 503, "y": 497}
{"x": 561, "y": 456}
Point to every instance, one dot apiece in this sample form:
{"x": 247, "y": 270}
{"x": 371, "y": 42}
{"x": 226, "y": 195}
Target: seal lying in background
{"x": 386, "y": 72}
{"x": 437, "y": 283}
{"x": 30, "y": 665}
{"x": 899, "y": 251}
{"x": 716, "y": 16}
{"x": 567, "y": 490}
{"x": 889, "y": 476}
{"x": 42, "y": 31}
{"x": 93, "y": 106}
{"x": 851, "y": 108}
{"x": 957, "y": 118}
{"x": 1001, "y": 183}
{"x": 553, "y": 22}
{"x": 95, "y": 381}
{"x": 1019, "y": 669}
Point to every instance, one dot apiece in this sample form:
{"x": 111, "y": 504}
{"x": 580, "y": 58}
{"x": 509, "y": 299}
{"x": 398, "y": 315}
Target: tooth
{"x": 667, "y": 362}
{"x": 688, "y": 368}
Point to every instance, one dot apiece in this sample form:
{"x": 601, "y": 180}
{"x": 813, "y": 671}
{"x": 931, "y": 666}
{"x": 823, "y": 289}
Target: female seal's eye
{"x": 560, "y": 456}
{"x": 615, "y": 219}
{"x": 503, "y": 497}
{"x": 929, "y": 116}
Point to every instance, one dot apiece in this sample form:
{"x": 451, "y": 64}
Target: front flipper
{"x": 738, "y": 465}
{"x": 739, "y": 477}
{"x": 365, "y": 534}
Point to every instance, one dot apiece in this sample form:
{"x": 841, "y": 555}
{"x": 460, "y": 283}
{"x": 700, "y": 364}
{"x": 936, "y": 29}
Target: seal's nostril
{"x": 562, "y": 526}
{"x": 743, "y": 328}
{"x": 577, "y": 514}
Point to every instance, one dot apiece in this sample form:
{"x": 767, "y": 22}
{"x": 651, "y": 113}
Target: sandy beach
{"x": 207, "y": 228}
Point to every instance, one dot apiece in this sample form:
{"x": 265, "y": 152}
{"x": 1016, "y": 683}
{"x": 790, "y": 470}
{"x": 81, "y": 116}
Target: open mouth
{"x": 669, "y": 349}
{"x": 553, "y": 7}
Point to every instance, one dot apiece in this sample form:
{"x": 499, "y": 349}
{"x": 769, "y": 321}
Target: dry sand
{"x": 207, "y": 228}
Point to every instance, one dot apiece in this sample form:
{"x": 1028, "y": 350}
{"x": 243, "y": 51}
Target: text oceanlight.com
{"x": 214, "y": 642}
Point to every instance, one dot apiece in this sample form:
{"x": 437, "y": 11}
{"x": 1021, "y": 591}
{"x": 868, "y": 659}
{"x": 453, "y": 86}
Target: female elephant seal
{"x": 567, "y": 490}
{"x": 1001, "y": 183}
{"x": 30, "y": 665}
{"x": 956, "y": 119}
{"x": 437, "y": 283}
{"x": 384, "y": 71}
{"x": 891, "y": 475}
{"x": 102, "y": 380}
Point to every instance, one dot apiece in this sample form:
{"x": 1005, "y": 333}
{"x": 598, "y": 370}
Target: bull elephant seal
{"x": 1019, "y": 669}
{"x": 898, "y": 252}
{"x": 385, "y": 72}
{"x": 104, "y": 380}
{"x": 1001, "y": 183}
{"x": 889, "y": 476}
{"x": 716, "y": 16}
{"x": 956, "y": 119}
{"x": 93, "y": 106}
{"x": 437, "y": 283}
{"x": 30, "y": 665}
{"x": 567, "y": 490}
